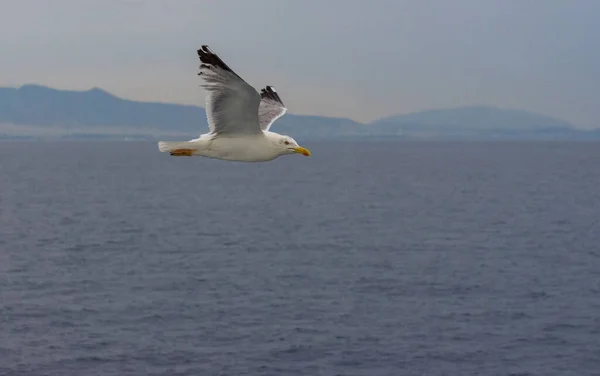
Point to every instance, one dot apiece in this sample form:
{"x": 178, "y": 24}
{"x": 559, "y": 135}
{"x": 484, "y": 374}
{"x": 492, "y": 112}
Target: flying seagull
{"x": 239, "y": 119}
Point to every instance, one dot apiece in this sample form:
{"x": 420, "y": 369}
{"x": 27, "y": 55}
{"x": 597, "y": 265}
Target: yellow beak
{"x": 302, "y": 151}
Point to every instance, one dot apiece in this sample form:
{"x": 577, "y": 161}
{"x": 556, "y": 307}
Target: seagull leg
{"x": 183, "y": 152}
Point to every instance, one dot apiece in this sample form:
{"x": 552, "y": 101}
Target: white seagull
{"x": 239, "y": 119}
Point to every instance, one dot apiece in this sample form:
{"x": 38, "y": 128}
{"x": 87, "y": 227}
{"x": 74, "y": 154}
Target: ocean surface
{"x": 367, "y": 259}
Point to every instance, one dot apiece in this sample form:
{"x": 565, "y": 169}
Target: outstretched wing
{"x": 270, "y": 109}
{"x": 231, "y": 103}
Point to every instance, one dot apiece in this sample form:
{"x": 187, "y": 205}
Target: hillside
{"x": 44, "y": 110}
{"x": 39, "y": 111}
{"x": 478, "y": 122}
{"x": 479, "y": 117}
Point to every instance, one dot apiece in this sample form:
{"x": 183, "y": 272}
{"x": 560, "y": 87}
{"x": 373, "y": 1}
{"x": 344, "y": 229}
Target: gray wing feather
{"x": 231, "y": 103}
{"x": 270, "y": 109}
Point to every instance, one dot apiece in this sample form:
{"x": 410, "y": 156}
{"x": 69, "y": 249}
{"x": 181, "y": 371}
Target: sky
{"x": 358, "y": 59}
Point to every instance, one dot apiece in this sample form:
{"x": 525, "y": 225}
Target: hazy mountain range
{"x": 42, "y": 112}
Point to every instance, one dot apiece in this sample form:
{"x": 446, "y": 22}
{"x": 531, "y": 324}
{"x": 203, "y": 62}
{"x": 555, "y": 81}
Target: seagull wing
{"x": 271, "y": 108}
{"x": 231, "y": 103}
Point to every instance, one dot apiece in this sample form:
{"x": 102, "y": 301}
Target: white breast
{"x": 255, "y": 148}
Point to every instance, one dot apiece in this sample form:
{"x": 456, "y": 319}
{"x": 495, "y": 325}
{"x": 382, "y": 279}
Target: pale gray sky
{"x": 361, "y": 59}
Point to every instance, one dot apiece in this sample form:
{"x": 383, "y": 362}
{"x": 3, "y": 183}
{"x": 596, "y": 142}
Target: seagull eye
{"x": 286, "y": 142}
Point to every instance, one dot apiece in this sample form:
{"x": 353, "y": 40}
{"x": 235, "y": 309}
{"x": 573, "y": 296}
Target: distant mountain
{"x": 478, "y": 122}
{"x": 476, "y": 117}
{"x": 39, "y": 111}
{"x": 34, "y": 105}
{"x": 46, "y": 111}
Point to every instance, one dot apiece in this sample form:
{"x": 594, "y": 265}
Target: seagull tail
{"x": 165, "y": 146}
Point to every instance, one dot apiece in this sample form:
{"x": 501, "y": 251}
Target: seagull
{"x": 239, "y": 119}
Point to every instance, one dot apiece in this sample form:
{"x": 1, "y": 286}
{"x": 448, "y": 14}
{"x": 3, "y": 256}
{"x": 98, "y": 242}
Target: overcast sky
{"x": 361, "y": 59}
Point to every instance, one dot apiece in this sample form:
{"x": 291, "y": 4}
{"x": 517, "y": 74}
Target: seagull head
{"x": 287, "y": 145}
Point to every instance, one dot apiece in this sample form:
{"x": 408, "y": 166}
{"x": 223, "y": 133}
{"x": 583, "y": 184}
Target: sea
{"x": 370, "y": 258}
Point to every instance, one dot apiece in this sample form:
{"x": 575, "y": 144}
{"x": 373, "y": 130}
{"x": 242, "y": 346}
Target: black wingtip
{"x": 270, "y": 93}
{"x": 203, "y": 49}
{"x": 209, "y": 58}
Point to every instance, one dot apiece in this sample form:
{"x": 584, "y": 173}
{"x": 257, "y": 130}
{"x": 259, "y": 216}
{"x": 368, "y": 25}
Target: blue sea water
{"x": 369, "y": 258}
